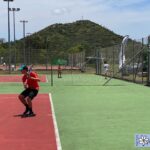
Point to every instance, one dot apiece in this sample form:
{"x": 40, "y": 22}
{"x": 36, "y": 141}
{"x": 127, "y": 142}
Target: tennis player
{"x": 106, "y": 69}
{"x": 31, "y": 87}
{"x": 59, "y": 71}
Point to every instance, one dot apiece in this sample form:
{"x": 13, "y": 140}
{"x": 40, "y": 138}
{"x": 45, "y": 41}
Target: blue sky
{"x": 124, "y": 17}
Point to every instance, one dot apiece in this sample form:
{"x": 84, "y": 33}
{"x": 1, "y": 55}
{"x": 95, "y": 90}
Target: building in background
{"x": 2, "y": 40}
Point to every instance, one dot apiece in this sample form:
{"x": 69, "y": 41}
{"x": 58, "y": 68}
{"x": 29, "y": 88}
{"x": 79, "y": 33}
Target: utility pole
{"x": 24, "y": 52}
{"x": 14, "y": 10}
{"x": 9, "y": 35}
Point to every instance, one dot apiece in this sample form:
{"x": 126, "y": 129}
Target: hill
{"x": 58, "y": 40}
{"x": 78, "y": 36}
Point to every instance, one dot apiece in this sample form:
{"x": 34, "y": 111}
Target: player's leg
{"x": 29, "y": 101}
{"x": 22, "y": 97}
{"x": 60, "y": 74}
{"x": 33, "y": 93}
{"x": 105, "y": 74}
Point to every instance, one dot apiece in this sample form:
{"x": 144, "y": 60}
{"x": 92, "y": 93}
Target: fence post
{"x": 97, "y": 62}
{"x": 133, "y": 70}
{"x": 113, "y": 68}
{"x": 148, "y": 79}
{"x": 142, "y": 58}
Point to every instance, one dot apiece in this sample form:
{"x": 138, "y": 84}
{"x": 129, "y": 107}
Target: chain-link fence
{"x": 135, "y": 68}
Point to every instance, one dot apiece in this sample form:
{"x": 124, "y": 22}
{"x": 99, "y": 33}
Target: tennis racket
{"x": 30, "y": 68}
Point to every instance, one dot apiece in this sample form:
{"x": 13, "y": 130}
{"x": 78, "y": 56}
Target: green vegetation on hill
{"x": 78, "y": 36}
{"x": 73, "y": 37}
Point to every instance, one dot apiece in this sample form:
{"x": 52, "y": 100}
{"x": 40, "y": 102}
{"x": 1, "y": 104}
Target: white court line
{"x": 55, "y": 124}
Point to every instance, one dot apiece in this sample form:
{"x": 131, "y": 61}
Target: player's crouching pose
{"x": 30, "y": 81}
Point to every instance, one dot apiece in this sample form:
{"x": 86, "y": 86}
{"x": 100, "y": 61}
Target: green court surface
{"x": 95, "y": 117}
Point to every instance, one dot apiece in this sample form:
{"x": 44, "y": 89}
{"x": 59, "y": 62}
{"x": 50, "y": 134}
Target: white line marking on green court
{"x": 55, "y": 124}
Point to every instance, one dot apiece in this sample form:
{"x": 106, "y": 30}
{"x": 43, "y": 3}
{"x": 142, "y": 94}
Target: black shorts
{"x": 29, "y": 93}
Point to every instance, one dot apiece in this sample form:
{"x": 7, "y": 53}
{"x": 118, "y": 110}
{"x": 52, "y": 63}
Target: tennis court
{"x": 89, "y": 116}
{"x": 19, "y": 133}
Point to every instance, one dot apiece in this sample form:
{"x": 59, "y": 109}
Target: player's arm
{"x": 25, "y": 85}
{"x": 24, "y": 82}
{"x": 34, "y": 76}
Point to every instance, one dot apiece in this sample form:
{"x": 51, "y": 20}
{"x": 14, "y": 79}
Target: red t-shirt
{"x": 30, "y": 82}
{"x": 59, "y": 68}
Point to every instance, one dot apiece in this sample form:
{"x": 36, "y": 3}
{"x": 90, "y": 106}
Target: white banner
{"x": 122, "y": 52}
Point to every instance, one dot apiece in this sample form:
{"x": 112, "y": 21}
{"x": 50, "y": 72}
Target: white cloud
{"x": 60, "y": 11}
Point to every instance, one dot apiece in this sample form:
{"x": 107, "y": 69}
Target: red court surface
{"x": 41, "y": 67}
{"x": 18, "y": 78}
{"x": 30, "y": 133}
{"x": 55, "y": 68}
